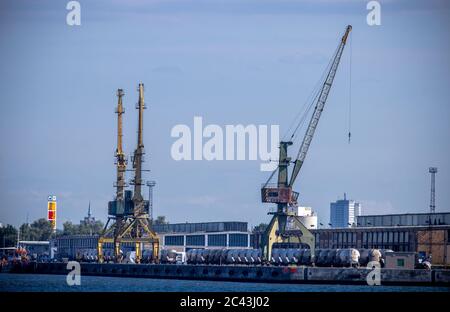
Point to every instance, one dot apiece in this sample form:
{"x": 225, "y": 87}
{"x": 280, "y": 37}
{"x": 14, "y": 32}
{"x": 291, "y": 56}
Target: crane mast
{"x": 121, "y": 163}
{"x": 282, "y": 193}
{"x": 138, "y": 156}
{"x": 120, "y": 155}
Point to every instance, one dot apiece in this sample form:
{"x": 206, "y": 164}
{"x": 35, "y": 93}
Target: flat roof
{"x": 406, "y": 214}
{"x": 362, "y": 228}
{"x": 203, "y": 233}
{"x": 209, "y": 222}
{"x": 34, "y": 242}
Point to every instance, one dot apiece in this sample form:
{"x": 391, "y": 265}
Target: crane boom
{"x": 318, "y": 109}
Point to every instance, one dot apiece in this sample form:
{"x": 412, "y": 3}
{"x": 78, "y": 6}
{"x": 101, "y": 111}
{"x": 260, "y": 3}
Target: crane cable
{"x": 311, "y": 100}
{"x": 350, "y": 94}
{"x": 302, "y": 112}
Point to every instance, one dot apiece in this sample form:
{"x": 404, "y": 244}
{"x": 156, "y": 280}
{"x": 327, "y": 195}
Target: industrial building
{"x": 428, "y": 241}
{"x": 343, "y": 212}
{"x": 69, "y": 246}
{"x": 407, "y": 235}
{"x": 306, "y": 215}
{"x": 406, "y": 232}
{"x": 406, "y": 219}
{"x": 208, "y": 235}
{"x": 178, "y": 236}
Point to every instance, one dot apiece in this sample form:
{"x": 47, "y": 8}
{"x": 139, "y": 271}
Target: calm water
{"x": 39, "y": 282}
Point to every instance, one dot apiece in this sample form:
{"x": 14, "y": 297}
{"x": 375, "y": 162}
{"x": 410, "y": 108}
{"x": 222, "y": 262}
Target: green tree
{"x": 91, "y": 229}
{"x": 39, "y": 230}
{"x": 160, "y": 220}
{"x": 8, "y": 236}
{"x": 260, "y": 228}
{"x": 69, "y": 228}
{"x": 84, "y": 228}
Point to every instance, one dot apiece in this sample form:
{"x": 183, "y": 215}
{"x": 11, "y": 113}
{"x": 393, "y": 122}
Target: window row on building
{"x": 79, "y": 241}
{"x": 397, "y": 240}
{"x": 201, "y": 227}
{"x": 208, "y": 240}
{"x": 408, "y": 219}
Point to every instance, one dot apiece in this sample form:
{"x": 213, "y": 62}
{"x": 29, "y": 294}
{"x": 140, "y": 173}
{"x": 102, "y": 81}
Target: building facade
{"x": 72, "y": 246}
{"x": 343, "y": 212}
{"x": 206, "y": 235}
{"x": 37, "y": 250}
{"x": 405, "y": 219}
{"x": 428, "y": 242}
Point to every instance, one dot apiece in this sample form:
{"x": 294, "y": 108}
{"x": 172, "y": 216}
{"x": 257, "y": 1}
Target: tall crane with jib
{"x": 281, "y": 194}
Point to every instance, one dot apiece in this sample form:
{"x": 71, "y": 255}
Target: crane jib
{"x": 318, "y": 110}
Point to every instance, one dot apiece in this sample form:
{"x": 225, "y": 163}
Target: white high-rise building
{"x": 343, "y": 212}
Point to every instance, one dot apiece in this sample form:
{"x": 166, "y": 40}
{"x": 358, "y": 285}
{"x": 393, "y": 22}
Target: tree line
{"x": 41, "y": 230}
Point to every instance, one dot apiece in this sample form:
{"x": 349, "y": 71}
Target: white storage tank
{"x": 375, "y": 255}
{"x": 310, "y": 222}
{"x": 349, "y": 257}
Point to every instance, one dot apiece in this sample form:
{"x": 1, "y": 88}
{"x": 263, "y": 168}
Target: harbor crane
{"x": 282, "y": 194}
{"x": 128, "y": 212}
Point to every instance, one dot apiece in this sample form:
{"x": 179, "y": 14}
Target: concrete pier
{"x": 266, "y": 274}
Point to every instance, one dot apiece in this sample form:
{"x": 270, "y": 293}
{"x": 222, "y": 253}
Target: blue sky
{"x": 231, "y": 62}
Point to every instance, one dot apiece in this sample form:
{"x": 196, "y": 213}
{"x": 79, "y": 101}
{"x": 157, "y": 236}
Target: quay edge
{"x": 265, "y": 274}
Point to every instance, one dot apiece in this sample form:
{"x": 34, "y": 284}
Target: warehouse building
{"x": 178, "y": 236}
{"x": 406, "y": 219}
{"x": 71, "y": 246}
{"x": 425, "y": 233}
{"x": 207, "y": 235}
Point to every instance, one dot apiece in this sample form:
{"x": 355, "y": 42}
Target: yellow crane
{"x": 129, "y": 214}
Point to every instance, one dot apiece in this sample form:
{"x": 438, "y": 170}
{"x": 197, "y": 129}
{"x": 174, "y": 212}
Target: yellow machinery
{"x": 129, "y": 214}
